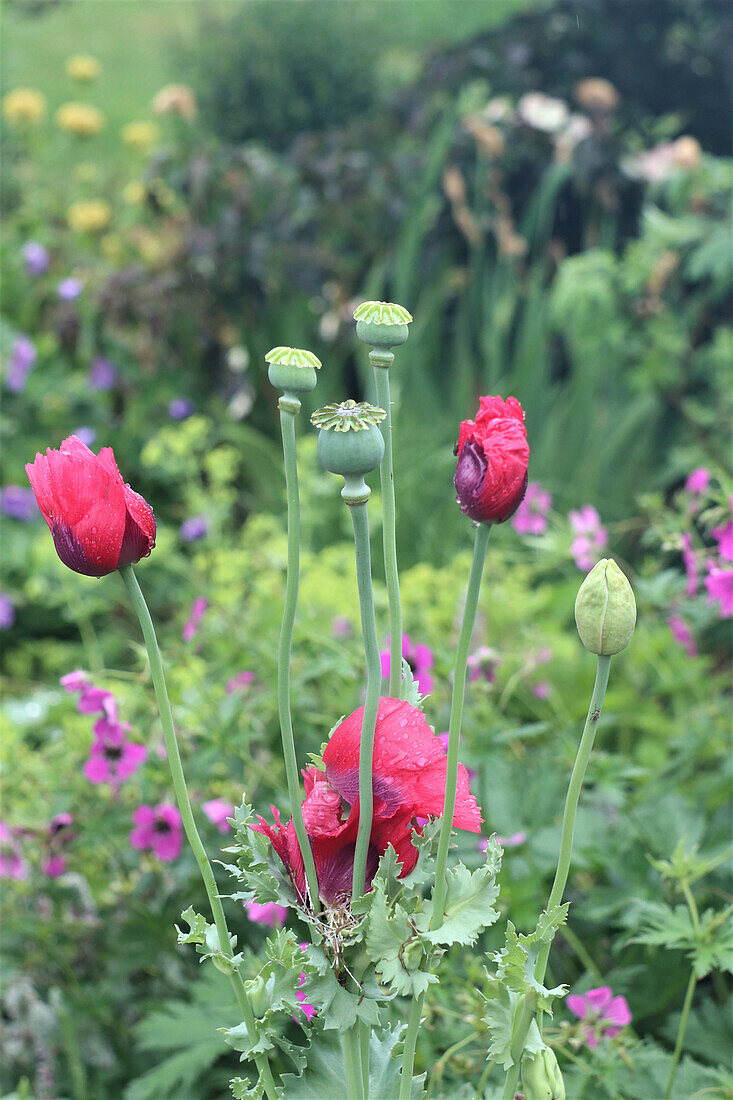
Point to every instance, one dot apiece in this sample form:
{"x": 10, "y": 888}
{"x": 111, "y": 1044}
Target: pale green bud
{"x": 259, "y": 998}
{"x": 541, "y": 1077}
{"x": 605, "y": 609}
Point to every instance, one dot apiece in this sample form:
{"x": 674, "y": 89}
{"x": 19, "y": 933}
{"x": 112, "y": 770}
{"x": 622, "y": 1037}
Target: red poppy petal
{"x": 140, "y": 527}
{"x": 89, "y": 514}
{"x": 40, "y": 479}
{"x": 397, "y": 831}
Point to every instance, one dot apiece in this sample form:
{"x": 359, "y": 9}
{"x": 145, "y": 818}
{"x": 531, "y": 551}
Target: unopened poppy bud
{"x": 350, "y": 444}
{"x": 541, "y": 1077}
{"x": 292, "y": 370}
{"x": 258, "y": 996}
{"x": 605, "y": 609}
{"x": 382, "y": 324}
{"x": 412, "y": 955}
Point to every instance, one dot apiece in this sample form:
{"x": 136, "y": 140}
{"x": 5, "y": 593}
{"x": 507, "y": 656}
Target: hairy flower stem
{"x": 575, "y": 786}
{"x": 189, "y": 825}
{"x": 360, "y": 521}
{"x": 288, "y": 410}
{"x": 456, "y": 717}
{"x": 381, "y": 361}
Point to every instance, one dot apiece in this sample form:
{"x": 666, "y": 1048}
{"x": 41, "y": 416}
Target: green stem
{"x": 389, "y": 536}
{"x": 360, "y": 522}
{"x": 408, "y": 1056}
{"x": 352, "y": 1064}
{"x": 575, "y": 786}
{"x": 184, "y": 805}
{"x": 456, "y": 717}
{"x": 287, "y": 427}
{"x": 365, "y": 1035}
{"x": 681, "y": 1033}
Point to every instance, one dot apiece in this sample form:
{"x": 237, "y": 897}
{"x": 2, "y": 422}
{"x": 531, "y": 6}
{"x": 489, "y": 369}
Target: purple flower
{"x": 419, "y": 658}
{"x": 59, "y": 825}
{"x": 75, "y": 681}
{"x": 7, "y": 611}
{"x": 217, "y": 811}
{"x": 698, "y": 481}
{"x": 602, "y": 1013}
{"x": 86, "y": 435}
{"x": 191, "y": 626}
{"x": 197, "y": 527}
{"x": 158, "y": 827}
{"x": 180, "y": 408}
{"x": 682, "y": 634}
{"x": 724, "y": 538}
{"x": 530, "y": 517}
{"x": 241, "y": 680}
{"x": 69, "y": 289}
{"x": 341, "y": 627}
{"x": 20, "y": 364}
{"x": 112, "y": 758}
{"x": 719, "y": 583}
{"x": 482, "y": 665}
{"x": 54, "y": 866}
{"x": 541, "y": 690}
{"x": 590, "y": 539}
{"x": 271, "y": 914}
{"x": 689, "y": 557}
{"x": 102, "y": 374}
{"x": 94, "y": 699}
{"x": 36, "y": 258}
{"x": 18, "y": 503}
{"x": 12, "y": 864}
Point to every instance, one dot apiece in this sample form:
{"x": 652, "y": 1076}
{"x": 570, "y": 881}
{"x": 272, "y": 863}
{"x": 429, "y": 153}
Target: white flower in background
{"x": 542, "y": 112}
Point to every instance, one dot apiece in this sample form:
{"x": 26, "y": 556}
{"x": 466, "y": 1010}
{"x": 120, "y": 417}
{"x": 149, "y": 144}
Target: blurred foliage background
{"x": 546, "y": 186}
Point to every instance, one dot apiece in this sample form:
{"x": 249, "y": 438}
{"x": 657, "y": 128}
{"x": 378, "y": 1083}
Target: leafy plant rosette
{"x": 363, "y": 863}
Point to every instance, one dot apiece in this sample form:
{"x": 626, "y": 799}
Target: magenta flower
{"x": 719, "y": 583}
{"x": 75, "y": 681}
{"x": 243, "y": 679}
{"x": 682, "y": 634}
{"x": 419, "y": 658}
{"x": 603, "y": 1015}
{"x": 112, "y": 758}
{"x": 54, "y": 866}
{"x": 591, "y": 537}
{"x": 12, "y": 864}
{"x": 271, "y": 914}
{"x": 217, "y": 811}
{"x": 192, "y": 624}
{"x": 94, "y": 699}
{"x": 513, "y": 841}
{"x": 482, "y": 665}
{"x": 530, "y": 517}
{"x": 341, "y": 627}
{"x": 698, "y": 481}
{"x": 308, "y": 1010}
{"x": 7, "y": 611}
{"x": 36, "y": 258}
{"x": 541, "y": 690}
{"x": 724, "y": 538}
{"x": 689, "y": 557}
{"x": 159, "y": 828}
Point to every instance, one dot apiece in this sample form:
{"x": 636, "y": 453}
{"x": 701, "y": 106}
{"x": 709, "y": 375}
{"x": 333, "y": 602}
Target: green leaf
{"x": 501, "y": 1006}
{"x": 389, "y": 938}
{"x": 323, "y": 1077}
{"x": 245, "y": 1090}
{"x": 517, "y": 960}
{"x": 468, "y": 904}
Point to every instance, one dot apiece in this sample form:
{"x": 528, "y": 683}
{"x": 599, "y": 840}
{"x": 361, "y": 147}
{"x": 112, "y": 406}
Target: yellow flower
{"x": 24, "y": 106}
{"x": 80, "y": 118}
{"x": 133, "y": 193}
{"x": 89, "y": 216}
{"x": 175, "y": 99}
{"x": 82, "y": 67}
{"x": 140, "y": 135}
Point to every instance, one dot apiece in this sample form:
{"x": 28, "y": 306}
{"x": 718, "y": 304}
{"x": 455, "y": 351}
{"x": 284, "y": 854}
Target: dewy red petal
{"x": 493, "y": 454}
{"x": 98, "y": 523}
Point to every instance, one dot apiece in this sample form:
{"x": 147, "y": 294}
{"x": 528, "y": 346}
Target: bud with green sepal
{"x": 292, "y": 370}
{"x": 541, "y": 1077}
{"x": 350, "y": 444}
{"x": 605, "y": 609}
{"x": 382, "y": 324}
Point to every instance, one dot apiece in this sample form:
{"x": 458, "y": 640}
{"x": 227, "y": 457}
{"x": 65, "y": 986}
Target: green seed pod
{"x": 541, "y": 1077}
{"x": 412, "y": 955}
{"x": 350, "y": 444}
{"x": 605, "y": 609}
{"x": 292, "y": 370}
{"x": 259, "y": 998}
{"x": 382, "y": 324}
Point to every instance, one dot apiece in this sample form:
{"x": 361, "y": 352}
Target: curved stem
{"x": 360, "y": 522}
{"x": 575, "y": 786}
{"x": 184, "y": 805}
{"x": 408, "y": 1056}
{"x": 681, "y": 1033}
{"x": 389, "y": 536}
{"x": 287, "y": 427}
{"x": 456, "y": 717}
{"x": 352, "y": 1064}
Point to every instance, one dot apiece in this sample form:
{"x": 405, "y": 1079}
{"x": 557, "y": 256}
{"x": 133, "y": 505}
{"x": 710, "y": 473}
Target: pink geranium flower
{"x": 94, "y": 699}
{"x": 112, "y": 758}
{"x": 271, "y": 914}
{"x": 530, "y": 517}
{"x": 482, "y": 665}
{"x": 75, "y": 681}
{"x": 54, "y": 866}
{"x": 591, "y": 537}
{"x": 512, "y": 841}
{"x": 697, "y": 481}
{"x": 159, "y": 828}
{"x": 192, "y": 624}
{"x": 682, "y": 634}
{"x": 603, "y": 1015}
{"x": 241, "y": 680}
{"x": 420, "y": 659}
{"x": 308, "y": 1010}
{"x": 12, "y": 864}
{"x": 689, "y": 557}
{"x": 218, "y": 810}
{"x": 724, "y": 538}
{"x": 719, "y": 583}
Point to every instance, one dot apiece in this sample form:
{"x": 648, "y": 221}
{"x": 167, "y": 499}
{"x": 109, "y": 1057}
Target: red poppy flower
{"x": 98, "y": 523}
{"x": 491, "y": 474}
{"x": 409, "y": 783}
